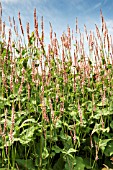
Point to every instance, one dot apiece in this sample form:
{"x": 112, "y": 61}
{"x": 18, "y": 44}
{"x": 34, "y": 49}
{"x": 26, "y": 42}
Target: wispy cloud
{"x": 97, "y": 5}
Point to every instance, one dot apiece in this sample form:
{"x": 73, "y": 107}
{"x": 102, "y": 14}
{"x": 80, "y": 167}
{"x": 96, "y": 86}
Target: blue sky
{"x": 60, "y": 13}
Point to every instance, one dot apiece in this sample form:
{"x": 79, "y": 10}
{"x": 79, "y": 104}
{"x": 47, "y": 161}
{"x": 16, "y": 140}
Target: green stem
{"x": 40, "y": 158}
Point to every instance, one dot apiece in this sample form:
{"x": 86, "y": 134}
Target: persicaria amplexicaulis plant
{"x": 56, "y": 103}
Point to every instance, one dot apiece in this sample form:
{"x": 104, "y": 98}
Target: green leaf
{"x": 105, "y": 130}
{"x": 103, "y": 62}
{"x": 29, "y": 120}
{"x": 71, "y": 150}
{"x": 27, "y": 135}
{"x": 74, "y": 163}
{"x": 23, "y": 51}
{"x": 2, "y": 99}
{"x": 6, "y": 168}
{"x": 96, "y": 128}
{"x": 34, "y": 102}
{"x": 17, "y": 50}
{"x": 90, "y": 107}
{"x": 56, "y": 149}
{"x": 26, "y": 164}
{"x": 104, "y": 104}
{"x": 24, "y": 99}
{"x": 45, "y": 153}
{"x": 103, "y": 143}
{"x": 59, "y": 165}
{"x": 106, "y": 112}
{"x": 88, "y": 163}
{"x": 109, "y": 149}
{"x": 58, "y": 123}
{"x": 8, "y": 123}
{"x": 79, "y": 164}
{"x": 89, "y": 89}
{"x": 111, "y": 124}
{"x": 25, "y": 62}
{"x": 69, "y": 163}
{"x": 102, "y": 112}
{"x": 73, "y": 114}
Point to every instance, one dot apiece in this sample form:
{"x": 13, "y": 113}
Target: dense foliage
{"x": 56, "y": 112}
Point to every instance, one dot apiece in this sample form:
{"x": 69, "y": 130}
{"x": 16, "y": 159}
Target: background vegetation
{"x": 56, "y": 111}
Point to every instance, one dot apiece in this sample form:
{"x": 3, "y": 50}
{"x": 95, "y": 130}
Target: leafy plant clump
{"x": 56, "y": 105}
